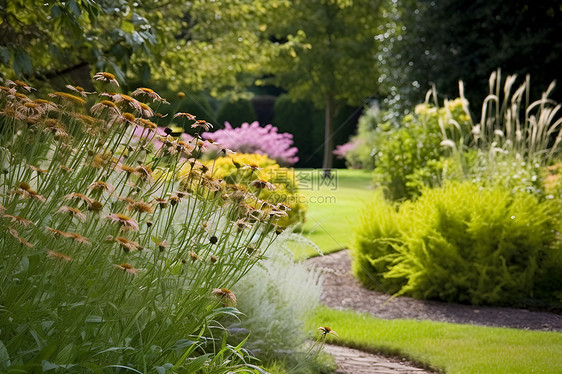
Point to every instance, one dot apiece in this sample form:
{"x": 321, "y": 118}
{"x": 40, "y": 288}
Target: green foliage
{"x": 236, "y": 112}
{"x": 274, "y": 312}
{"x": 444, "y": 43}
{"x": 462, "y": 243}
{"x": 306, "y": 122}
{"x": 405, "y": 156}
{"x": 110, "y": 258}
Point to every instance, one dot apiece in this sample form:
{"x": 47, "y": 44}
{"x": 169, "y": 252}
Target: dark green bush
{"x": 462, "y": 243}
{"x": 306, "y": 123}
{"x": 236, "y": 113}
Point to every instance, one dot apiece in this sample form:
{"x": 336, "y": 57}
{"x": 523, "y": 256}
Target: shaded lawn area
{"x": 333, "y": 207}
{"x": 447, "y": 347}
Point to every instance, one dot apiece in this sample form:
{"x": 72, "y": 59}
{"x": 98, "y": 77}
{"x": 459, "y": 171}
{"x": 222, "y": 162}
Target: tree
{"x": 199, "y": 44}
{"x": 327, "y": 51}
{"x": 450, "y": 40}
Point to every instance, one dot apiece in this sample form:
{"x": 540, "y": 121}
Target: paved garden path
{"x": 342, "y": 291}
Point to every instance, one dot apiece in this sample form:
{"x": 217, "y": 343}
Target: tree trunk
{"x": 328, "y": 135}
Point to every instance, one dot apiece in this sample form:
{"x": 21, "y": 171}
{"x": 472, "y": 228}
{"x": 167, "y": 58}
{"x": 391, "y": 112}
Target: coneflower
{"x": 67, "y": 98}
{"x": 202, "y": 124}
{"x": 58, "y": 255}
{"x": 78, "y": 196}
{"x": 143, "y": 91}
{"x": 124, "y": 221}
{"x": 128, "y": 268}
{"x": 104, "y": 106}
{"x": 325, "y": 330}
{"x": 128, "y": 245}
{"x": 36, "y": 169}
{"x": 144, "y": 172}
{"x": 78, "y": 90}
{"x": 17, "y": 219}
{"x": 106, "y": 77}
{"x": 100, "y": 185}
{"x": 16, "y": 235}
{"x": 140, "y": 207}
{"x": 187, "y": 116}
{"x": 20, "y": 84}
{"x": 73, "y": 212}
{"x": 226, "y": 295}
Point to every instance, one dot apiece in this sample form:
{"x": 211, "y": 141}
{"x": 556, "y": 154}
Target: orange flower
{"x": 128, "y": 268}
{"x": 18, "y": 219}
{"x": 73, "y": 212}
{"x": 226, "y": 295}
{"x": 123, "y": 220}
{"x": 58, "y": 255}
{"x": 99, "y": 185}
{"x": 128, "y": 245}
{"x": 106, "y": 77}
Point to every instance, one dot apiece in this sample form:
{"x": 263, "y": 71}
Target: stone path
{"x": 353, "y": 361}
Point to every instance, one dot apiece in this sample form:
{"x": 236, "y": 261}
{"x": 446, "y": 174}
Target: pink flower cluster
{"x": 251, "y": 138}
{"x": 342, "y": 150}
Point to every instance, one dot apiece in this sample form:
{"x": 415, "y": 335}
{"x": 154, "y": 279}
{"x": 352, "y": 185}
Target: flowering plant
{"x": 252, "y": 138}
{"x": 110, "y": 258}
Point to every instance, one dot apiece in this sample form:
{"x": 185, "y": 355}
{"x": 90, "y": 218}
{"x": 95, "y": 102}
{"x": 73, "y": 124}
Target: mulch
{"x": 342, "y": 291}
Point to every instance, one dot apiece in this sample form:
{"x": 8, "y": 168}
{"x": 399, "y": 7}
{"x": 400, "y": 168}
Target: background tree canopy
{"x": 326, "y": 52}
{"x": 444, "y": 41}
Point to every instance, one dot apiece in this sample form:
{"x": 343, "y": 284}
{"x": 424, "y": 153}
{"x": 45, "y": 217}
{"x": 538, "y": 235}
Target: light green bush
{"x": 462, "y": 243}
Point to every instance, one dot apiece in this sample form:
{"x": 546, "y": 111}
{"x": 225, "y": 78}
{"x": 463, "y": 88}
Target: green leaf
{"x": 4, "y": 357}
{"x": 127, "y": 26}
{"x": 5, "y": 55}
{"x": 22, "y": 63}
{"x": 56, "y": 11}
{"x": 74, "y": 7}
{"x": 47, "y": 365}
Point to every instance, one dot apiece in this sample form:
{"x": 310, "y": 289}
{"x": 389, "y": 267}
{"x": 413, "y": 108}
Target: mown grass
{"x": 446, "y": 347}
{"x": 332, "y": 208}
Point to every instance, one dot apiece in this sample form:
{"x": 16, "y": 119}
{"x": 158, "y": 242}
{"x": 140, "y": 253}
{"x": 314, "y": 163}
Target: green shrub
{"x": 236, "y": 113}
{"x": 401, "y": 153}
{"x": 306, "y": 123}
{"x": 462, "y": 243}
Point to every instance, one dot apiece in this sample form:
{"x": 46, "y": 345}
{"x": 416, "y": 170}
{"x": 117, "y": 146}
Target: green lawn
{"x": 451, "y": 348}
{"x": 332, "y": 208}
{"x": 447, "y": 347}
